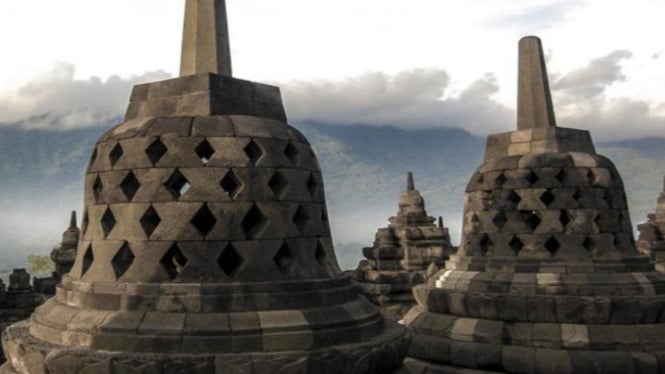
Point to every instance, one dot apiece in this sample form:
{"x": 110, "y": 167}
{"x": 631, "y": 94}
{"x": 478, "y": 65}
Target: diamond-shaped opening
{"x": 88, "y": 258}
{"x": 547, "y": 197}
{"x": 516, "y": 245}
{"x": 122, "y": 260}
{"x": 590, "y": 245}
{"x": 607, "y": 196}
{"x": 499, "y": 219}
{"x": 278, "y": 184}
{"x": 230, "y": 261}
{"x": 501, "y": 180}
{"x": 577, "y": 195}
{"x": 564, "y": 218}
{"x": 205, "y": 151}
{"x": 97, "y": 188}
{"x": 312, "y": 185}
{"x": 300, "y": 218}
{"x": 177, "y": 184}
{"x": 230, "y": 184}
{"x": 150, "y": 220}
{"x": 320, "y": 254}
{"x": 531, "y": 178}
{"x": 253, "y": 152}
{"x": 552, "y": 245}
{"x": 284, "y": 257}
{"x": 84, "y": 222}
{"x": 130, "y": 185}
{"x": 485, "y": 244}
{"x": 108, "y": 222}
{"x": 173, "y": 261}
{"x": 292, "y": 153}
{"x": 561, "y": 176}
{"x": 513, "y": 197}
{"x": 254, "y": 222}
{"x": 480, "y": 179}
{"x": 324, "y": 216}
{"x": 155, "y": 151}
{"x": 531, "y": 218}
{"x": 115, "y": 154}
{"x": 591, "y": 177}
{"x": 204, "y": 220}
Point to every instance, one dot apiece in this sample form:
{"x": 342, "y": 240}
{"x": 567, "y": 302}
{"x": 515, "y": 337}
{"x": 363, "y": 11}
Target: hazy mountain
{"x": 364, "y": 169}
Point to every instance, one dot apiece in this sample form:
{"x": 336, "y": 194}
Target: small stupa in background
{"x": 651, "y": 239}
{"x": 402, "y": 254}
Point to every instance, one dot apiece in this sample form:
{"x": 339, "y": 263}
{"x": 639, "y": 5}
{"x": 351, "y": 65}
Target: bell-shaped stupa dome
{"x": 205, "y": 242}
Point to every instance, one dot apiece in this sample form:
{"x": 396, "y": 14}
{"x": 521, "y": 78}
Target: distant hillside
{"x": 364, "y": 169}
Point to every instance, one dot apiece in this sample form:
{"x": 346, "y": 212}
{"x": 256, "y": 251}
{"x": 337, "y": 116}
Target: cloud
{"x": 582, "y": 101}
{"x": 589, "y": 82}
{"x": 57, "y": 100}
{"x": 409, "y": 99}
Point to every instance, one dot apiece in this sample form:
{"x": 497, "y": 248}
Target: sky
{"x": 414, "y": 64}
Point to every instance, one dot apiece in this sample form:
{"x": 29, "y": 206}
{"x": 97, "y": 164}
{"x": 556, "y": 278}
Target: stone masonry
{"x": 547, "y": 278}
{"x": 402, "y": 254}
{"x": 651, "y": 241}
{"x": 18, "y": 301}
{"x": 205, "y": 243}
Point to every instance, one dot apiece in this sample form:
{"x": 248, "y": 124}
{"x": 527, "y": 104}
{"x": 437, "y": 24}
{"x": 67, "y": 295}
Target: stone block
{"x": 553, "y": 361}
{"x": 546, "y": 335}
{"x": 519, "y": 359}
{"x": 162, "y": 324}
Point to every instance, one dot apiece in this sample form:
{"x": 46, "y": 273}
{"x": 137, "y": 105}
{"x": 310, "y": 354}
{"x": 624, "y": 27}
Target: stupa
{"x": 64, "y": 255}
{"x": 402, "y": 254}
{"x": 547, "y": 278}
{"x": 205, "y": 242}
{"x": 651, "y": 240}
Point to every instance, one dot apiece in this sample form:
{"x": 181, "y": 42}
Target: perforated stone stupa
{"x": 205, "y": 242}
{"x": 651, "y": 240}
{"x": 547, "y": 278}
{"x": 402, "y": 254}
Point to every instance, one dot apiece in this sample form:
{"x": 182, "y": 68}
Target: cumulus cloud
{"x": 589, "y": 82}
{"x": 581, "y": 100}
{"x": 57, "y": 100}
{"x": 409, "y": 99}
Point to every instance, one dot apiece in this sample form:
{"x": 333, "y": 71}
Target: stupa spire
{"x": 534, "y": 101}
{"x": 410, "y": 186}
{"x": 72, "y": 220}
{"x": 205, "y": 41}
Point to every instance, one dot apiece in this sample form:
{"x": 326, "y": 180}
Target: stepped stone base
{"x": 31, "y": 355}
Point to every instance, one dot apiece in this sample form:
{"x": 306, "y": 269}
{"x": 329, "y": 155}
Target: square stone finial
{"x": 534, "y": 100}
{"x": 205, "y": 42}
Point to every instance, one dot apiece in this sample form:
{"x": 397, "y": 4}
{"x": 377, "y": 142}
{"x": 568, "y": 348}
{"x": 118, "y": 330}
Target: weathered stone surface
{"x": 402, "y": 255}
{"x": 546, "y": 260}
{"x": 206, "y": 246}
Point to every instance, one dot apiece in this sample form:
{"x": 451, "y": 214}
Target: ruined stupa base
{"x": 376, "y": 355}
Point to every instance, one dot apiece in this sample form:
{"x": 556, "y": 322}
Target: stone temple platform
{"x": 547, "y": 278}
{"x": 402, "y": 255}
{"x": 651, "y": 241}
{"x": 205, "y": 243}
